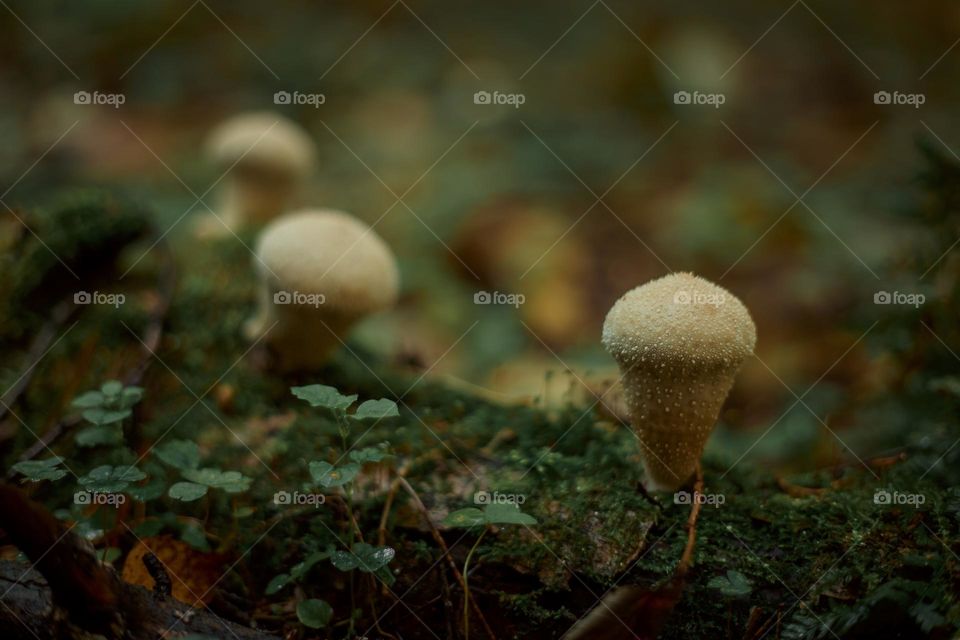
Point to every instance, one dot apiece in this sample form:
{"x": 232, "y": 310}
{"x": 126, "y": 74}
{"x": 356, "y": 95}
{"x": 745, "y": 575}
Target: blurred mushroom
{"x": 267, "y": 158}
{"x": 679, "y": 341}
{"x": 320, "y": 272}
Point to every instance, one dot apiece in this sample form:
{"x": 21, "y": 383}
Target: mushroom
{"x": 267, "y": 159}
{"x": 320, "y": 272}
{"x": 679, "y": 341}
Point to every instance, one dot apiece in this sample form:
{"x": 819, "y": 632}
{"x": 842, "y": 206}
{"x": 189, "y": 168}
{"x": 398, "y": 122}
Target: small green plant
{"x": 105, "y": 410}
{"x": 358, "y": 555}
{"x": 40, "y": 470}
{"x": 492, "y": 514}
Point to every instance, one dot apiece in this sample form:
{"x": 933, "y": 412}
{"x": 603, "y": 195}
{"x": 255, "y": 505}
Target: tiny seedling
{"x": 358, "y": 555}
{"x": 105, "y": 410}
{"x": 471, "y": 517}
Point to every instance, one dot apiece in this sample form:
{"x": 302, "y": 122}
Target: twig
{"x": 161, "y": 579}
{"x": 687, "y": 557}
{"x": 446, "y": 553}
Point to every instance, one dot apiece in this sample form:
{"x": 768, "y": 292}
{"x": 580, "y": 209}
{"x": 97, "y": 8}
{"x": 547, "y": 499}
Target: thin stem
{"x": 466, "y": 587}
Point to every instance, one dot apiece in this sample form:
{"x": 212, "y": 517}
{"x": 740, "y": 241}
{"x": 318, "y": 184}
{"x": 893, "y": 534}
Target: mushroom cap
{"x": 263, "y": 140}
{"x": 327, "y": 252}
{"x": 679, "y": 321}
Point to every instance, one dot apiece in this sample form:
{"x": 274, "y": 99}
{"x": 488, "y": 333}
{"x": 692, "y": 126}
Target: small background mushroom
{"x": 268, "y": 158}
{"x": 320, "y": 271}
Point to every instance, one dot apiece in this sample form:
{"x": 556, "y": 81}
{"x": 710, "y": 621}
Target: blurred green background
{"x": 598, "y": 182}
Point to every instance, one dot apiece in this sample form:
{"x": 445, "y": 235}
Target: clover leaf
{"x": 179, "y": 454}
{"x": 320, "y": 395}
{"x": 376, "y": 410}
{"x": 39, "y": 470}
{"x": 187, "y": 491}
{"x": 229, "y": 481}
{"x": 364, "y": 557}
{"x": 494, "y": 513}
{"x": 314, "y": 613}
{"x": 108, "y": 479}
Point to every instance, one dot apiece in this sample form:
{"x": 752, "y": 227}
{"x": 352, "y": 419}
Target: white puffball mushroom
{"x": 320, "y": 272}
{"x": 679, "y": 342}
{"x": 267, "y": 158}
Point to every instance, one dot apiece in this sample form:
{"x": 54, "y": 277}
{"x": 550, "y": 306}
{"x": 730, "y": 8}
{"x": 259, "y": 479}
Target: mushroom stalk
{"x": 679, "y": 342}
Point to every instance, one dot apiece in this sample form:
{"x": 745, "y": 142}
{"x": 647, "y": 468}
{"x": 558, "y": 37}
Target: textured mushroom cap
{"x": 321, "y": 251}
{"x": 263, "y": 140}
{"x": 679, "y": 320}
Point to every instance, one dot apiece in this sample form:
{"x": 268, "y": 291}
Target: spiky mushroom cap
{"x": 262, "y": 141}
{"x": 680, "y": 320}
{"x": 321, "y": 270}
{"x": 679, "y": 342}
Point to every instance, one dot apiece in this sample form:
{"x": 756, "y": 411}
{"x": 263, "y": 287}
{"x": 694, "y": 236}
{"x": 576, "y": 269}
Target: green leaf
{"x": 111, "y": 388}
{"x": 107, "y": 479}
{"x": 734, "y": 584}
{"x": 96, "y": 436}
{"x": 187, "y": 491}
{"x": 229, "y": 481}
{"x": 326, "y": 475}
{"x": 371, "y": 454}
{"x": 278, "y": 582}
{"x": 101, "y": 416}
{"x": 365, "y": 557}
{"x": 130, "y": 397}
{"x": 88, "y": 400}
{"x": 300, "y": 569}
{"x": 39, "y": 470}
{"x": 469, "y": 517}
{"x": 376, "y": 410}
{"x": 153, "y": 489}
{"x": 319, "y": 395}
{"x": 506, "y": 513}
{"x": 179, "y": 454}
{"x": 314, "y": 613}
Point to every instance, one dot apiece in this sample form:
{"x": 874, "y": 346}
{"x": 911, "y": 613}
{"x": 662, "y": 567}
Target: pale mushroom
{"x": 679, "y": 341}
{"x": 266, "y": 158}
{"x": 320, "y": 272}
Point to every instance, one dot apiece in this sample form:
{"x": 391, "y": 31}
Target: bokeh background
{"x": 598, "y": 182}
